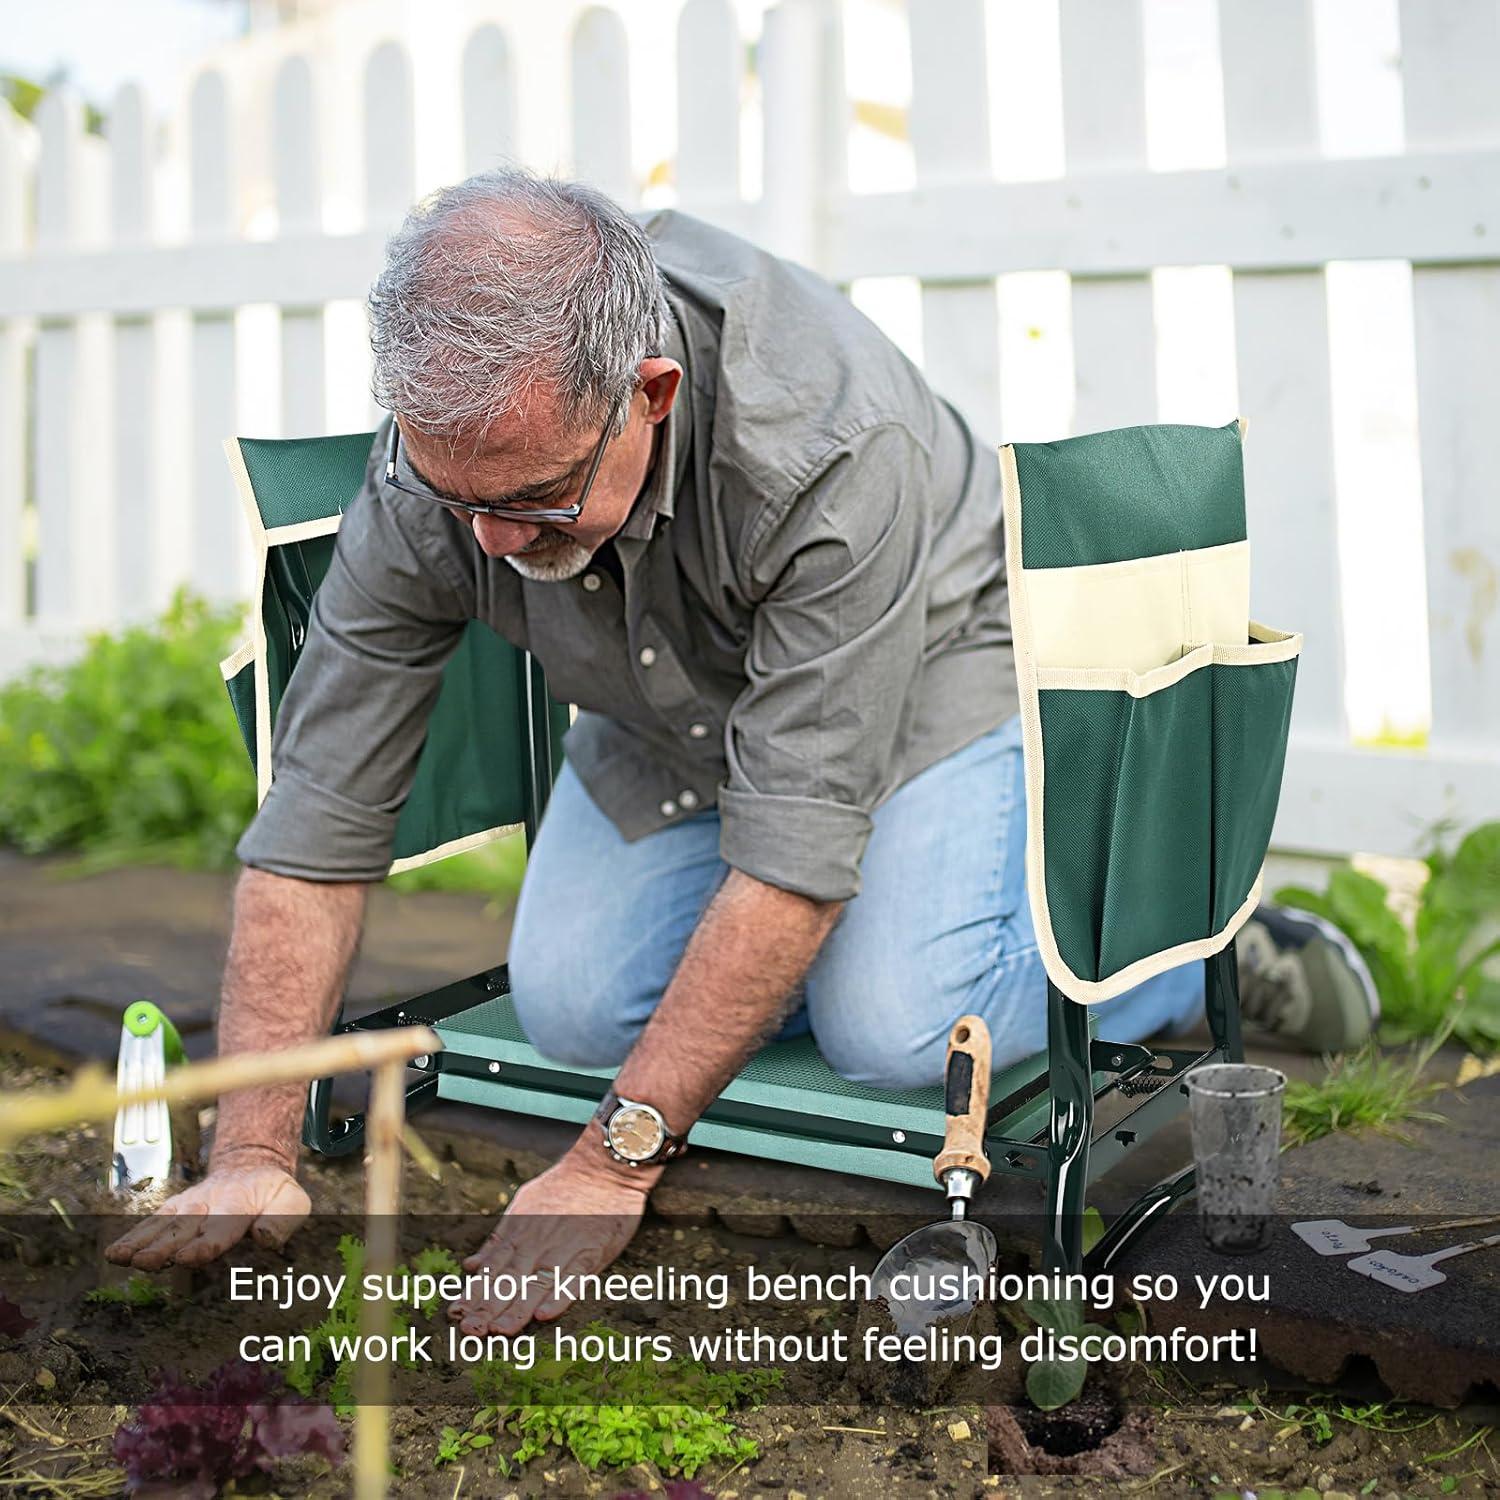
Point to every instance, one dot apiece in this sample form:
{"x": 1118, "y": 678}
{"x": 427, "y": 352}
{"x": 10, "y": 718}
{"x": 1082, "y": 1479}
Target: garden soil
{"x": 67, "y": 1383}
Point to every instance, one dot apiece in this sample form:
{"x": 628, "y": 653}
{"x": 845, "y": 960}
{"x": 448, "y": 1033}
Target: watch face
{"x": 635, "y": 1133}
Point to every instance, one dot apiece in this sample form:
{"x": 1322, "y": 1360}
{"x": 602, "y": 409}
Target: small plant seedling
{"x": 454, "y": 1444}
{"x": 137, "y": 1291}
{"x": 305, "y": 1373}
{"x": 1051, "y": 1383}
{"x": 615, "y": 1414}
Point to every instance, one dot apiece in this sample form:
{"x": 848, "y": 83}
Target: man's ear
{"x": 660, "y": 378}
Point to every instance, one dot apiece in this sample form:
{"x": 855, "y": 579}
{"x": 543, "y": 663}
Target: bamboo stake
{"x": 92, "y": 1096}
{"x": 385, "y": 1119}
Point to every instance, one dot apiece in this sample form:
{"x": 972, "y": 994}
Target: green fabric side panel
{"x": 1133, "y": 492}
{"x": 1157, "y": 811}
{"x": 473, "y": 771}
{"x": 1081, "y": 736}
{"x": 1156, "y": 888}
{"x": 1126, "y": 816}
{"x": 472, "y": 774}
{"x": 242, "y": 699}
{"x": 1252, "y": 718}
{"x": 305, "y": 479}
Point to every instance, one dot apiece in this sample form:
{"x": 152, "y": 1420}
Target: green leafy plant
{"x": 1365, "y": 1090}
{"x": 130, "y": 752}
{"x": 1315, "y": 1417}
{"x": 617, "y": 1413}
{"x": 1053, "y": 1382}
{"x": 136, "y": 1292}
{"x": 454, "y": 1445}
{"x": 304, "y": 1373}
{"x": 1445, "y": 965}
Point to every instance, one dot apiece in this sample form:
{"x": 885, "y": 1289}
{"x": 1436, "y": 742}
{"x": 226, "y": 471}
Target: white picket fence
{"x": 123, "y": 465}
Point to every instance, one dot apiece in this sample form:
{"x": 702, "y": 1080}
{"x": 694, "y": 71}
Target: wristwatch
{"x": 635, "y": 1133}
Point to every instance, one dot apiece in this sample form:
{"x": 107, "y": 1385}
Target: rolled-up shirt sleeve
{"x": 836, "y": 643}
{"x": 353, "y": 721}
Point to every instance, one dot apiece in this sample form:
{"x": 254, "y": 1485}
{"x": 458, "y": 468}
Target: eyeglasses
{"x": 552, "y": 515}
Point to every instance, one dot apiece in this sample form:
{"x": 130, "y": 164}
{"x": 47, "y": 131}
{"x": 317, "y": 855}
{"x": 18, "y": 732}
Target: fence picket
{"x": 600, "y": 76}
{"x": 74, "y": 582}
{"x": 708, "y": 108}
{"x": 135, "y": 369}
{"x": 489, "y": 100}
{"x": 950, "y": 135}
{"x": 296, "y": 157}
{"x": 390, "y": 136}
{"x": 803, "y": 111}
{"x": 1281, "y": 347}
{"x": 12, "y": 386}
{"x": 1450, "y": 65}
{"x": 217, "y": 525}
{"x": 1104, "y": 128}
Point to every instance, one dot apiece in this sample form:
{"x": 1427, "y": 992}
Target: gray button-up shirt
{"x": 811, "y": 605}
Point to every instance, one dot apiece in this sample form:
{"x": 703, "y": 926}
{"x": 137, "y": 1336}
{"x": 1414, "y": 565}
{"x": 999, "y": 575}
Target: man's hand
{"x": 203, "y": 1221}
{"x": 577, "y": 1216}
{"x": 290, "y": 947}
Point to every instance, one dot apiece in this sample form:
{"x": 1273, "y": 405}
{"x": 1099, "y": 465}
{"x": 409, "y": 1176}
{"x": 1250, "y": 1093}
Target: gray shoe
{"x": 1304, "y": 981}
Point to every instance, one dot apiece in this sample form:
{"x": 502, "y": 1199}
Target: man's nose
{"x": 497, "y": 538}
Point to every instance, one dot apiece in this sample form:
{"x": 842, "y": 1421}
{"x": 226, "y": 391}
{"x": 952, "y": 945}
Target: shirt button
{"x": 648, "y": 655}
{"x": 688, "y": 798}
{"x": 669, "y": 809}
{"x": 698, "y": 731}
{"x": 591, "y": 582}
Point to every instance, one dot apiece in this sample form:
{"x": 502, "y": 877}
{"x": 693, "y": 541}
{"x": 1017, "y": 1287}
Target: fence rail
{"x": 122, "y": 345}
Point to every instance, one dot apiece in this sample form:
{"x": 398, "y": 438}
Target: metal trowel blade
{"x": 947, "y": 1249}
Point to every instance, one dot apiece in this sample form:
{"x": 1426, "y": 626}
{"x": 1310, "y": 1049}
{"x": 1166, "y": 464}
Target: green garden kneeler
{"x": 1115, "y": 796}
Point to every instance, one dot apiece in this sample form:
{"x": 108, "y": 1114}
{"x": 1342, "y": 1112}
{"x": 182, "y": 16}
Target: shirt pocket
{"x": 664, "y": 682}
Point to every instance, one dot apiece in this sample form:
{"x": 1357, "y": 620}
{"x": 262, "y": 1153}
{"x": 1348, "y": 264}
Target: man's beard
{"x": 556, "y": 562}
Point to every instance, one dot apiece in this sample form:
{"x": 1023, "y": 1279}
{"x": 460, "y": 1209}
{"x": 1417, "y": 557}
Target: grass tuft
{"x": 1365, "y": 1090}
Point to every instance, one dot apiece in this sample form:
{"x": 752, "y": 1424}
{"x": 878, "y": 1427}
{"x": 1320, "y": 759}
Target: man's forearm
{"x": 289, "y": 952}
{"x": 729, "y": 994}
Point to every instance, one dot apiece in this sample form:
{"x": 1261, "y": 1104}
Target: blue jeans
{"x": 941, "y": 927}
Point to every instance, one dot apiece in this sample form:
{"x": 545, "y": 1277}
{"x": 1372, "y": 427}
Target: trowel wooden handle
{"x": 966, "y": 1099}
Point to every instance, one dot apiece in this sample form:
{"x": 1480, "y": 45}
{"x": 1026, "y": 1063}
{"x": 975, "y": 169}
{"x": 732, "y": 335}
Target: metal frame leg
{"x": 1221, "y": 995}
{"x": 1072, "y": 1125}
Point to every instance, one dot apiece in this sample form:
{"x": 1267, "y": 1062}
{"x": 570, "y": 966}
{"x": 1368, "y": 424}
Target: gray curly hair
{"x": 506, "y": 283}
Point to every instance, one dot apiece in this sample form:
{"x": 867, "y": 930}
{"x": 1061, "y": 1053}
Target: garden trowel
{"x": 1413, "y": 1273}
{"x": 142, "y": 1155}
{"x": 955, "y": 1246}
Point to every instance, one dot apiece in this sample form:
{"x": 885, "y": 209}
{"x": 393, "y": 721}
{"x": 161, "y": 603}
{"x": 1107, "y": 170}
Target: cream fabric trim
{"x": 1265, "y": 645}
{"x": 280, "y": 536}
{"x": 259, "y": 540}
{"x": 237, "y": 660}
{"x": 464, "y": 845}
{"x": 1141, "y": 613}
{"x": 1085, "y": 991}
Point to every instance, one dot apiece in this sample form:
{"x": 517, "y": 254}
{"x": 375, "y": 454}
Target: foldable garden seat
{"x": 1154, "y": 719}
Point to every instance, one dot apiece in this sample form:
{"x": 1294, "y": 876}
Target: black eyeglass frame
{"x": 549, "y": 515}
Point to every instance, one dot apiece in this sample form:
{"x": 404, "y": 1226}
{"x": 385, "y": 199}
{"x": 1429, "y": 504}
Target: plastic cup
{"x": 1235, "y": 1110}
